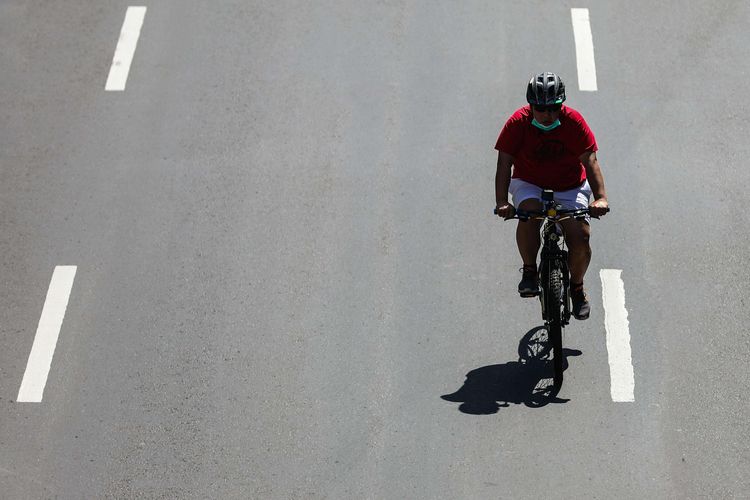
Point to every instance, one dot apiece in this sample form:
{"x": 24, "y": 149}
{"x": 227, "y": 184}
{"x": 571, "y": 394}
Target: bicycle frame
{"x": 553, "y": 254}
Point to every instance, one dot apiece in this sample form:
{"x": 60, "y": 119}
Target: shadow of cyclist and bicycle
{"x": 527, "y": 381}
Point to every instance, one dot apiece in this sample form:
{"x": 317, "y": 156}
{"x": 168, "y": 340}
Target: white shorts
{"x": 573, "y": 199}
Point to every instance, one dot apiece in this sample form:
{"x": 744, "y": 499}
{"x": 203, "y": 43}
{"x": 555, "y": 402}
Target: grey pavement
{"x": 286, "y": 253}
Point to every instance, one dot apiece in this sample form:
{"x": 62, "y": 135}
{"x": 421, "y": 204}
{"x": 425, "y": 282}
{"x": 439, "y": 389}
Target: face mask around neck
{"x": 546, "y": 128}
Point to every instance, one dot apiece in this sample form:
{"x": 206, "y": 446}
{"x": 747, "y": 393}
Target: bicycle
{"x": 554, "y": 276}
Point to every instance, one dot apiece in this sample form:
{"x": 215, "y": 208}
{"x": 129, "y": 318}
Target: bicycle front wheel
{"x": 554, "y": 309}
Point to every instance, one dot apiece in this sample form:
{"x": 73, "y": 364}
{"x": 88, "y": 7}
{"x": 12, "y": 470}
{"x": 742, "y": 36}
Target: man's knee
{"x": 577, "y": 237}
{"x": 582, "y": 239}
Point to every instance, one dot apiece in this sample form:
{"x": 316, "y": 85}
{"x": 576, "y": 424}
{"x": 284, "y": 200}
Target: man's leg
{"x": 527, "y": 233}
{"x": 528, "y": 240}
{"x": 577, "y": 235}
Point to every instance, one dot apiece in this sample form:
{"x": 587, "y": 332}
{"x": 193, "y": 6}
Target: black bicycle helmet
{"x": 544, "y": 89}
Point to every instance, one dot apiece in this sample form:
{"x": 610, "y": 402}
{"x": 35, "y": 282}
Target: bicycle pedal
{"x": 528, "y": 294}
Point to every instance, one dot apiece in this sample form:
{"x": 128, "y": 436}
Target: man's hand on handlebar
{"x": 505, "y": 210}
{"x": 598, "y": 208}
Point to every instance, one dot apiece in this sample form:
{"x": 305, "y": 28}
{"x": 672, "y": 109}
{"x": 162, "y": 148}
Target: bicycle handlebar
{"x": 541, "y": 214}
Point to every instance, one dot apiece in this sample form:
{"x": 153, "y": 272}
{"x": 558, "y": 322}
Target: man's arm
{"x": 595, "y": 177}
{"x": 502, "y": 181}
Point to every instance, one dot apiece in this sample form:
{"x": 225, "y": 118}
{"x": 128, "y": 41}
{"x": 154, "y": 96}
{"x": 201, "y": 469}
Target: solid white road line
{"x": 618, "y": 336}
{"x": 53, "y": 312}
{"x": 584, "y": 49}
{"x": 131, "y": 30}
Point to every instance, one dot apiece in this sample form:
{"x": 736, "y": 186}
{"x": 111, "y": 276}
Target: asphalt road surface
{"x": 286, "y": 255}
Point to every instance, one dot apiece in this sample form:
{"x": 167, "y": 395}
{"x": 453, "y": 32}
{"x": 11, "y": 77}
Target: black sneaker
{"x": 581, "y": 307}
{"x": 529, "y": 285}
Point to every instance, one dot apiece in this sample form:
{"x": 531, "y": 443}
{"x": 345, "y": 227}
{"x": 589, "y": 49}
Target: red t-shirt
{"x": 547, "y": 159}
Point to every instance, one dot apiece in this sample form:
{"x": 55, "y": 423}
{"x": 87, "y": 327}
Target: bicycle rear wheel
{"x": 554, "y": 315}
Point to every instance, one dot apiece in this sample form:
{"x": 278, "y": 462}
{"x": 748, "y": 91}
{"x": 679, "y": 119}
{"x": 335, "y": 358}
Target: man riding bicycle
{"x": 550, "y": 146}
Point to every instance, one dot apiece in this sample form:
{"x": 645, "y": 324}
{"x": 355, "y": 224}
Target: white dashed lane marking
{"x": 584, "y": 49}
{"x": 618, "y": 336}
{"x": 131, "y": 31}
{"x": 45, "y": 341}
